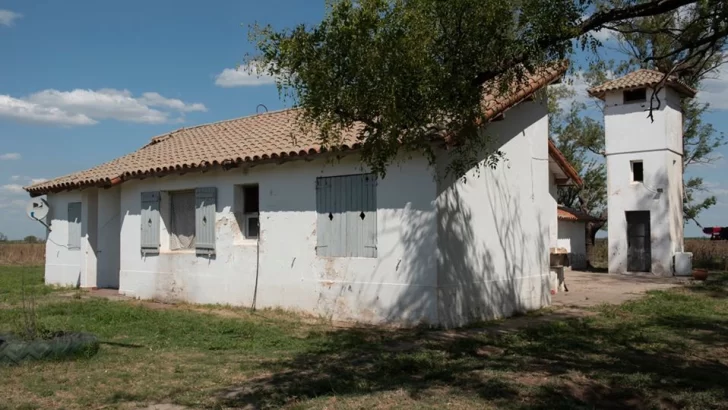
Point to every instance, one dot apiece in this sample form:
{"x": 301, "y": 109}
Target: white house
{"x": 572, "y": 235}
{"x": 644, "y": 170}
{"x": 251, "y": 211}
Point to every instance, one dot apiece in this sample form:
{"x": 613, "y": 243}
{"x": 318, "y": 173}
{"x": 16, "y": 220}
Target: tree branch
{"x": 595, "y": 21}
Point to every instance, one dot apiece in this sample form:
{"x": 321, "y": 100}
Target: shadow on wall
{"x": 448, "y": 252}
{"x": 488, "y": 266}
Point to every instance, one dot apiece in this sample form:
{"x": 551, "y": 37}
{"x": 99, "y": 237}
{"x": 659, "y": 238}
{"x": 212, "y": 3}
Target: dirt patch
{"x": 588, "y": 289}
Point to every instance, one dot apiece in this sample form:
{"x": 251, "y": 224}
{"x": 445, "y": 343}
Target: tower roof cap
{"x": 642, "y": 78}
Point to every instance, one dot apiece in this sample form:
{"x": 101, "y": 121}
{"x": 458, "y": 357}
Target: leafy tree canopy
{"x": 408, "y": 69}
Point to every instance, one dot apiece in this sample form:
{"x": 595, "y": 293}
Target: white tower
{"x": 644, "y": 171}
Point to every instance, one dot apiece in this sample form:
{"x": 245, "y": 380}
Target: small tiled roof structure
{"x": 273, "y": 136}
{"x": 641, "y": 78}
{"x": 557, "y": 156}
{"x": 574, "y": 215}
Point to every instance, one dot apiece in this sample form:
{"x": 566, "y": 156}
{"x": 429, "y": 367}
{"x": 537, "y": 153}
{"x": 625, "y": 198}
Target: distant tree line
{"x": 27, "y": 239}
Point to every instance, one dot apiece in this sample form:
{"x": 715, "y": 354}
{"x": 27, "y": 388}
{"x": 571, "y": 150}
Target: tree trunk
{"x": 590, "y": 236}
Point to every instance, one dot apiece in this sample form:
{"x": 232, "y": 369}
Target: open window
{"x": 637, "y": 95}
{"x": 181, "y": 220}
{"x": 188, "y": 218}
{"x": 247, "y": 212}
{"x": 638, "y": 172}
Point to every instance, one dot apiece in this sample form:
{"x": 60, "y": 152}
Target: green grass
{"x": 12, "y": 278}
{"x": 667, "y": 350}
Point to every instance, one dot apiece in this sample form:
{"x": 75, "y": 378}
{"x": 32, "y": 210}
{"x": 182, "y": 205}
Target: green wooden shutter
{"x": 205, "y": 208}
{"x": 150, "y": 222}
{"x": 74, "y": 225}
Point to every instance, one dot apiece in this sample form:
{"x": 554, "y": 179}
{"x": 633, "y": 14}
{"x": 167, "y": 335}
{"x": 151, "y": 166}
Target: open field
{"x": 706, "y": 253}
{"x": 667, "y": 350}
{"x": 22, "y": 254}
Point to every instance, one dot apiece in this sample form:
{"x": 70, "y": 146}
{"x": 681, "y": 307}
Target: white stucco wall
{"x": 553, "y": 203}
{"x": 450, "y": 249}
{"x": 63, "y": 265}
{"x": 495, "y": 226}
{"x": 629, "y": 130}
{"x": 572, "y": 238}
{"x": 399, "y": 284}
{"x": 630, "y": 136}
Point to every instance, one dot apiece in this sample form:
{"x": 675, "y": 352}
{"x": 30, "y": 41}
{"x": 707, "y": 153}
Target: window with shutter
{"x": 182, "y": 220}
{"x": 74, "y": 225}
{"x": 206, "y": 199}
{"x": 150, "y": 222}
{"x": 346, "y": 209}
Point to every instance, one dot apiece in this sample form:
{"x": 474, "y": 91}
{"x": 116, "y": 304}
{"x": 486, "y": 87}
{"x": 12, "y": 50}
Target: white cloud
{"x": 102, "y": 104}
{"x": 715, "y": 91}
{"x": 156, "y": 100}
{"x": 578, "y": 85}
{"x": 87, "y": 107}
{"x": 26, "y": 180}
{"x": 9, "y": 156}
{"x": 12, "y": 188}
{"x": 244, "y": 76}
{"x": 6, "y": 203}
{"x": 24, "y": 111}
{"x": 605, "y": 35}
{"x": 7, "y": 17}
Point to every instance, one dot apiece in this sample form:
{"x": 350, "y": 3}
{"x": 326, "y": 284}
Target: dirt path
{"x": 588, "y": 289}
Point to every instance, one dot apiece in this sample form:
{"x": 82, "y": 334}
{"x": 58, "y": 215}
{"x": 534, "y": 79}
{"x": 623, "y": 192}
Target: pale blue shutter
{"x": 74, "y": 225}
{"x": 205, "y": 220}
{"x": 150, "y": 222}
{"x": 346, "y": 223}
{"x": 368, "y": 217}
{"x": 324, "y": 212}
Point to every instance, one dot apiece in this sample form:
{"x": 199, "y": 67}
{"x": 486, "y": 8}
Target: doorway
{"x": 639, "y": 243}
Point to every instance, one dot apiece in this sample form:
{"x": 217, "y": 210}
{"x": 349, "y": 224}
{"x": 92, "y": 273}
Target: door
{"x": 639, "y": 244}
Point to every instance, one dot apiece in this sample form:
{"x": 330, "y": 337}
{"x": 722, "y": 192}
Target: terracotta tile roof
{"x": 264, "y": 137}
{"x": 641, "y": 78}
{"x": 564, "y": 164}
{"x": 574, "y": 215}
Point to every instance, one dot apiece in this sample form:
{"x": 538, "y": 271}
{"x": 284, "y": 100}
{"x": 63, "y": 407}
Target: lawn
{"x": 668, "y": 350}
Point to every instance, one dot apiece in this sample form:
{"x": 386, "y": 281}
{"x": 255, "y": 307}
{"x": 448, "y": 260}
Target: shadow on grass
{"x": 658, "y": 359}
{"x": 715, "y": 286}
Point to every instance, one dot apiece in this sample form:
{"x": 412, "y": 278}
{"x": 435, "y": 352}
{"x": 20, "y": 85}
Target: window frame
{"x": 243, "y": 215}
{"x": 71, "y": 244}
{"x": 630, "y": 92}
{"x": 170, "y": 231}
{"x": 633, "y": 178}
{"x": 343, "y": 211}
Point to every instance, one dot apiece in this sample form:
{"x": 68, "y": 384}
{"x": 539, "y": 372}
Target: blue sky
{"x": 84, "y": 82}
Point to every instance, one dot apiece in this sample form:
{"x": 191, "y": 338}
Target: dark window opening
{"x": 250, "y": 199}
{"x": 638, "y": 174}
{"x": 636, "y": 95}
{"x": 247, "y": 208}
